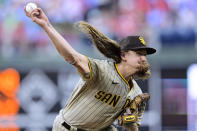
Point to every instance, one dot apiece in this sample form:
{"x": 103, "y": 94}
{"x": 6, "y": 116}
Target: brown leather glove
{"x": 129, "y": 117}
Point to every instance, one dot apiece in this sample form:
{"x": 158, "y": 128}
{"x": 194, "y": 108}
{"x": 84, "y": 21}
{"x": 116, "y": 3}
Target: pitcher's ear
{"x": 122, "y": 55}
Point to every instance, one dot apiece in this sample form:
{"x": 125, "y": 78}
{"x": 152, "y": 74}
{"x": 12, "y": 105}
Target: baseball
{"x": 30, "y": 6}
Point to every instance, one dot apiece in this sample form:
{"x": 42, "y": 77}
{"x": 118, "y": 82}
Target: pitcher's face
{"x": 137, "y": 60}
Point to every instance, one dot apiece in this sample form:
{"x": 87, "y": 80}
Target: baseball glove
{"x": 131, "y": 112}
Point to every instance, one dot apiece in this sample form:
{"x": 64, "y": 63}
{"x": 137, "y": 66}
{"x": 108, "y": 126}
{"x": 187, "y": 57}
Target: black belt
{"x": 67, "y": 126}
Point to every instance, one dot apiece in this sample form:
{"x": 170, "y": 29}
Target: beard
{"x": 143, "y": 71}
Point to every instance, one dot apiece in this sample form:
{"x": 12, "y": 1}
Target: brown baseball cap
{"x": 135, "y": 43}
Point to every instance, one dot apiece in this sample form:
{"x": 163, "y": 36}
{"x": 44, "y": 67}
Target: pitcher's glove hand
{"x": 131, "y": 113}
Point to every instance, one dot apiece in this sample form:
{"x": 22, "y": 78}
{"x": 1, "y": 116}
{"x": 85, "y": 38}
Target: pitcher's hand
{"x": 38, "y": 16}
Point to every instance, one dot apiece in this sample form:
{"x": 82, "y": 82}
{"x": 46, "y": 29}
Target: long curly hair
{"x": 108, "y": 47}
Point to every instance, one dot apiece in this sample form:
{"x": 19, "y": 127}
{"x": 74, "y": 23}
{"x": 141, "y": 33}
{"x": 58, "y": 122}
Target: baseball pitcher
{"x": 107, "y": 89}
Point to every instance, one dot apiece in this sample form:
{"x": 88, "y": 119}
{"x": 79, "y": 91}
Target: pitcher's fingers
{"x": 39, "y": 10}
{"x": 26, "y": 13}
{"x": 34, "y": 19}
{"x": 34, "y": 13}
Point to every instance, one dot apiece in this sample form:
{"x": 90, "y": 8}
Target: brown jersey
{"x": 98, "y": 100}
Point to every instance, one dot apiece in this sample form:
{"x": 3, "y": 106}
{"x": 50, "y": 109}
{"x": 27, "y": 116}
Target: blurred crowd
{"x": 171, "y": 22}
